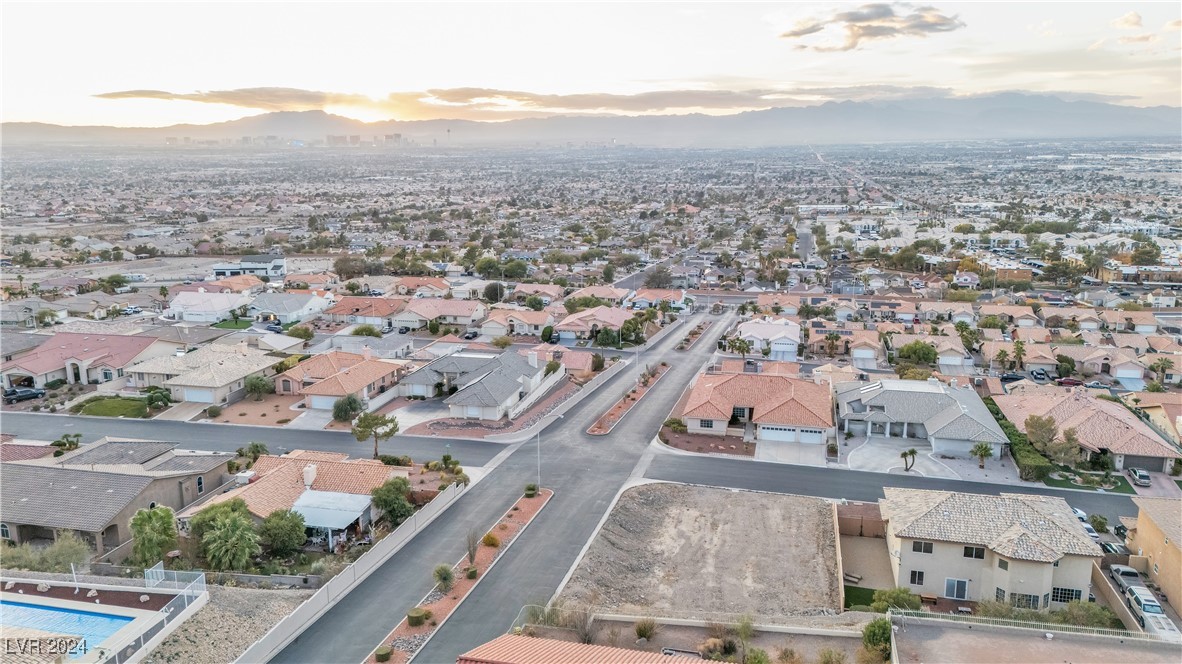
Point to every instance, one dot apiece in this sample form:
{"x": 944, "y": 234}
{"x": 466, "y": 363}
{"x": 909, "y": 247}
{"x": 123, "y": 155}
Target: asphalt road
{"x": 227, "y": 438}
{"x": 585, "y": 471}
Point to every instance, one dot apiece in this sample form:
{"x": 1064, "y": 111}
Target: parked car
{"x": 1069, "y": 382}
{"x": 275, "y": 327}
{"x": 1096, "y": 385}
{"x": 130, "y": 311}
{"x": 1091, "y": 531}
{"x": 1142, "y": 603}
{"x": 1140, "y": 476}
{"x": 1011, "y": 377}
{"x": 1124, "y": 577}
{"x": 1121, "y": 530}
{"x": 1039, "y": 374}
{"x": 403, "y": 330}
{"x": 16, "y": 394}
{"x": 1080, "y": 514}
{"x": 1115, "y": 547}
{"x": 471, "y": 334}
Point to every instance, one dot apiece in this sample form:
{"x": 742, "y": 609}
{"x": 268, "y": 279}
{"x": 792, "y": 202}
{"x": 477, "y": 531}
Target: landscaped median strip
{"x": 401, "y": 644}
{"x": 612, "y": 417}
{"x": 695, "y": 335}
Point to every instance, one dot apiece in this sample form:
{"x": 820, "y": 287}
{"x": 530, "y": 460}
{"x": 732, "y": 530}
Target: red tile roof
{"x": 776, "y": 399}
{"x": 514, "y": 649}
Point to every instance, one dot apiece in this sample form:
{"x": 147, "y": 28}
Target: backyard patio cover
{"x": 330, "y": 509}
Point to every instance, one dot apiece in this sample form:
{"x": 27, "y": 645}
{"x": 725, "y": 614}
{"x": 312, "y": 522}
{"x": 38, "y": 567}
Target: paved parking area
{"x": 881, "y": 455}
{"x": 419, "y": 412}
{"x": 798, "y": 453}
{"x": 183, "y": 411}
{"x": 311, "y": 419}
{"x": 1163, "y": 486}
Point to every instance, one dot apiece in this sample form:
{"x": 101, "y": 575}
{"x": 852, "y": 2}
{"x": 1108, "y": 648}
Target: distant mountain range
{"x": 1001, "y": 116}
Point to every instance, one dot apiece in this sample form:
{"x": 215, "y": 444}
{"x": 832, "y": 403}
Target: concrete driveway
{"x": 311, "y": 419}
{"x": 1163, "y": 486}
{"x": 881, "y": 455}
{"x": 183, "y": 411}
{"x": 419, "y": 412}
{"x": 797, "y": 453}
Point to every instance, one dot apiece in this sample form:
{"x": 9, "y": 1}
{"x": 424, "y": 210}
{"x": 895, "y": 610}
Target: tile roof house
{"x": 213, "y": 374}
{"x": 951, "y": 419}
{"x": 950, "y": 311}
{"x": 96, "y": 489}
{"x": 13, "y": 344}
{"x": 1102, "y": 427}
{"x": 951, "y": 356}
{"x": 23, "y": 312}
{"x": 518, "y": 649}
{"x": 376, "y": 311}
{"x": 205, "y": 307}
{"x": 778, "y": 336}
{"x": 1157, "y": 535}
{"x": 286, "y": 307}
{"x": 777, "y": 408}
{"x": 587, "y": 323}
{"x": 646, "y": 298}
{"x": 1029, "y": 551}
{"x": 335, "y": 375}
{"x": 81, "y": 358}
{"x": 242, "y": 283}
{"x": 421, "y": 286}
{"x": 1119, "y": 363}
{"x": 502, "y": 387}
{"x": 1086, "y": 319}
{"x": 420, "y": 312}
{"x": 768, "y": 302}
{"x": 1164, "y": 410}
{"x": 501, "y": 322}
{"x": 315, "y": 281}
{"x": 1139, "y": 322}
{"x": 1020, "y": 316}
{"x": 615, "y": 296}
{"x": 547, "y": 292}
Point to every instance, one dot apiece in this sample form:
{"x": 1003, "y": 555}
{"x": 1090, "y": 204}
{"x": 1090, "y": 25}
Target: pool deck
{"x": 123, "y": 603}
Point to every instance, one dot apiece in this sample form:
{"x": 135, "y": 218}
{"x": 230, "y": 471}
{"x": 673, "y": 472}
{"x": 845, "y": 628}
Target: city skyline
{"x": 501, "y": 61}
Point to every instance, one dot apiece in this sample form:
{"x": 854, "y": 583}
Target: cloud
{"x": 1173, "y": 25}
{"x": 265, "y": 99}
{"x": 877, "y": 21}
{"x": 1146, "y": 38}
{"x": 1130, "y": 21}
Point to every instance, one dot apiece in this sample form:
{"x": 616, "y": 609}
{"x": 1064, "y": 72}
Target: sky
{"x": 160, "y": 63}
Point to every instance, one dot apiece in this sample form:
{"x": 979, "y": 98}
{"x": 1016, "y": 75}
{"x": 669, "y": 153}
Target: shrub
{"x": 444, "y": 577}
{"x": 830, "y": 656}
{"x": 876, "y": 636}
{"x": 213, "y": 411}
{"x": 346, "y": 408}
{"x": 416, "y": 617}
{"x": 67, "y": 548}
{"x": 54, "y": 384}
{"x": 490, "y": 540}
{"x": 597, "y": 362}
{"x": 531, "y": 490}
{"x": 394, "y": 460}
{"x": 789, "y": 656}
{"x": 283, "y": 421}
{"x": 676, "y": 425}
{"x": 1099, "y": 522}
{"x": 900, "y": 598}
{"x": 646, "y": 628}
{"x": 758, "y": 656}
{"x": 382, "y": 654}
{"x": 472, "y": 572}
{"x": 869, "y": 656}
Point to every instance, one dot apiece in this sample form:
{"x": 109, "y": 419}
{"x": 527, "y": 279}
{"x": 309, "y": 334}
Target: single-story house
{"x": 376, "y": 311}
{"x": 313, "y": 281}
{"x": 23, "y": 312}
{"x": 213, "y": 374}
{"x": 286, "y": 307}
{"x": 501, "y": 322}
{"x": 421, "y": 286}
{"x": 586, "y": 324}
{"x": 205, "y": 307}
{"x": 242, "y": 283}
{"x": 323, "y": 379}
{"x": 81, "y": 358}
{"x": 780, "y": 337}
{"x": 611, "y": 294}
{"x": 1139, "y": 322}
{"x": 951, "y": 419}
{"x": 547, "y": 292}
{"x": 778, "y": 408}
{"x": 951, "y": 355}
{"x": 1086, "y": 319}
{"x": 955, "y": 312}
{"x": 420, "y": 312}
{"x": 647, "y": 298}
{"x": 498, "y": 388}
{"x": 1012, "y": 314}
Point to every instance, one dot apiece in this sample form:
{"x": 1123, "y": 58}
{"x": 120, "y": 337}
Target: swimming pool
{"x": 93, "y": 628}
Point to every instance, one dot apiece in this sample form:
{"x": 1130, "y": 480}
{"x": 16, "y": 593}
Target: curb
{"x": 651, "y": 387}
{"x": 693, "y": 343}
{"x": 480, "y": 579}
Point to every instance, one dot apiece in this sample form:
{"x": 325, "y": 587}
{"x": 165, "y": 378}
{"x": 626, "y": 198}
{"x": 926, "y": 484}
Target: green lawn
{"x": 1122, "y": 485}
{"x": 857, "y": 596}
{"x": 116, "y": 407}
{"x": 242, "y": 324}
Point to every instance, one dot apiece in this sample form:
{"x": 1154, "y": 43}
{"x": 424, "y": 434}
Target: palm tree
{"x": 740, "y": 346}
{"x": 1161, "y": 367}
{"x": 982, "y": 451}
{"x": 1003, "y": 358}
{"x": 154, "y": 533}
{"x": 164, "y": 292}
{"x": 230, "y": 543}
{"x": 68, "y": 442}
{"x": 908, "y": 459}
{"x": 831, "y": 340}
{"x": 1019, "y": 352}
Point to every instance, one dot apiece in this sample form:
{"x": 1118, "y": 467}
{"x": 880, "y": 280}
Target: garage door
{"x": 199, "y": 396}
{"x": 814, "y": 436}
{"x": 472, "y": 411}
{"x": 786, "y": 434}
{"x": 323, "y": 402}
{"x": 418, "y": 390}
{"x": 1154, "y": 464}
{"x": 1131, "y": 372}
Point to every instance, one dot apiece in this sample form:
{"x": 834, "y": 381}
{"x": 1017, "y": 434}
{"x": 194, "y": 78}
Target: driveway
{"x": 881, "y": 455}
{"x": 183, "y": 411}
{"x": 1163, "y": 486}
{"x": 311, "y": 419}
{"x": 419, "y": 412}
{"x": 798, "y": 453}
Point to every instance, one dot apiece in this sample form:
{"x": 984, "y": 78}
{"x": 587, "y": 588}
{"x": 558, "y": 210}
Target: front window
{"x": 916, "y": 578}
{"x": 706, "y": 424}
{"x": 1023, "y": 601}
{"x": 1000, "y": 595}
{"x": 1003, "y": 565}
{"x": 974, "y": 552}
{"x": 200, "y": 484}
{"x": 1064, "y": 595}
{"x": 921, "y": 547}
{"x": 4, "y": 534}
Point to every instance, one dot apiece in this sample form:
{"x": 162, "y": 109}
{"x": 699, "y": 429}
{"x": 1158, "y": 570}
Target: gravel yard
{"x": 233, "y": 619}
{"x": 697, "y": 552}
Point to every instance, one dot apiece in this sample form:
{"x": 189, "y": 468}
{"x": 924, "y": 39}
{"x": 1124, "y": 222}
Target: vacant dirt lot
{"x": 694, "y": 552}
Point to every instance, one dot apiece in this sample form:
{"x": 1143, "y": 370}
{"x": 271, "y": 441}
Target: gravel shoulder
{"x": 698, "y": 552}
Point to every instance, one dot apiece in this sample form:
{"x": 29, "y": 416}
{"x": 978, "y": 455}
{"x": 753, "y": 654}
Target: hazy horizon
{"x": 209, "y": 63}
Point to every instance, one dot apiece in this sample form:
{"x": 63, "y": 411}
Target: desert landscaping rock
{"x": 697, "y": 552}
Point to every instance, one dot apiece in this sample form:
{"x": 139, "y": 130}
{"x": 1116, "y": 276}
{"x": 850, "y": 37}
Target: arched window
{"x": 4, "y": 534}
{"x": 200, "y": 484}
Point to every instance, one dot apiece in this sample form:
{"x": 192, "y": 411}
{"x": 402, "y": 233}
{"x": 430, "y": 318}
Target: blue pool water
{"x": 94, "y": 628}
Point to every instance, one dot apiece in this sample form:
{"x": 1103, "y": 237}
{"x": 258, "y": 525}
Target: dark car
{"x": 1011, "y": 377}
{"x": 1039, "y": 374}
{"x": 1120, "y": 530}
{"x": 471, "y": 334}
{"x": 403, "y": 330}
{"x": 22, "y": 394}
{"x": 1114, "y": 547}
{"x": 275, "y": 327}
{"x": 1068, "y": 382}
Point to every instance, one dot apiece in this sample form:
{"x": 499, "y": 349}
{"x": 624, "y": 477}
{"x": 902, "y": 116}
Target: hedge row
{"x": 1032, "y": 465}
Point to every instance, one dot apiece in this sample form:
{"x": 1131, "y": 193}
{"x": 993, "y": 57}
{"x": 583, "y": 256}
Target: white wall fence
{"x": 537, "y": 393}
{"x": 343, "y": 583}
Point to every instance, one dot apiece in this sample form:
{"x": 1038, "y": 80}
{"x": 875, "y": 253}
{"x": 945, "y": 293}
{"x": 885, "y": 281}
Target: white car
{"x": 1091, "y": 532}
{"x": 1080, "y": 514}
{"x": 1096, "y": 385}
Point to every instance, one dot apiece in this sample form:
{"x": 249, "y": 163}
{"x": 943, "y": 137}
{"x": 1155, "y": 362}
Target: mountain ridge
{"x": 1000, "y": 116}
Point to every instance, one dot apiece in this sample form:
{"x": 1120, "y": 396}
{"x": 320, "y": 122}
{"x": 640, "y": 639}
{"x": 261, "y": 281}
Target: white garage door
{"x": 815, "y": 436}
{"x": 418, "y": 390}
{"x": 199, "y": 396}
{"x": 1130, "y": 372}
{"x": 786, "y": 434}
{"x": 323, "y": 402}
{"x": 472, "y": 411}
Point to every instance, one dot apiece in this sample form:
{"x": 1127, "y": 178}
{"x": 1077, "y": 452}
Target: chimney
{"x": 533, "y": 359}
{"x": 309, "y": 475}
{"x": 242, "y": 347}
{"x": 366, "y": 352}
